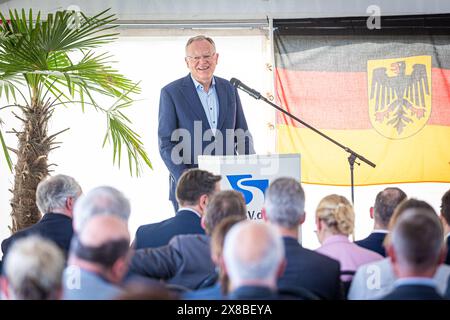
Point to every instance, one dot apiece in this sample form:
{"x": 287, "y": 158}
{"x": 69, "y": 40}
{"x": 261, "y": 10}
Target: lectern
{"x": 251, "y": 174}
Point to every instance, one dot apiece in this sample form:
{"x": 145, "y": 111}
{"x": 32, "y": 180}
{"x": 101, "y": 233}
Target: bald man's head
{"x": 253, "y": 251}
{"x": 103, "y": 228}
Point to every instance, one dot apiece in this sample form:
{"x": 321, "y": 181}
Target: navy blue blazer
{"x": 159, "y": 234}
{"x": 53, "y": 226}
{"x": 310, "y": 270}
{"x": 181, "y": 108}
{"x": 413, "y": 292}
{"x": 374, "y": 242}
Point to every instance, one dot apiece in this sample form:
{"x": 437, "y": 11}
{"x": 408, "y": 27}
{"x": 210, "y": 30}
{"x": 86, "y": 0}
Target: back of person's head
{"x": 385, "y": 204}
{"x": 417, "y": 240}
{"x": 217, "y": 242}
{"x": 402, "y": 208}
{"x": 103, "y": 241}
{"x": 285, "y": 203}
{"x": 337, "y": 214}
{"x": 409, "y": 204}
{"x": 253, "y": 252}
{"x": 195, "y": 183}
{"x": 52, "y": 193}
{"x": 224, "y": 204}
{"x": 445, "y": 207}
{"x": 33, "y": 269}
{"x": 101, "y": 200}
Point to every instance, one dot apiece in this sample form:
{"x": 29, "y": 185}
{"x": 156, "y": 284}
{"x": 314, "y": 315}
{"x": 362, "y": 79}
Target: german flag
{"x": 387, "y": 97}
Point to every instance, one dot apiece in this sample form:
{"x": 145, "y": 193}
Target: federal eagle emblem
{"x": 399, "y": 95}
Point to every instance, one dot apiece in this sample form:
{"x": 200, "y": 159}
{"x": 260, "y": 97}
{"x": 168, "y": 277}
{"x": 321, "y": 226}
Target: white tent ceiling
{"x": 141, "y": 11}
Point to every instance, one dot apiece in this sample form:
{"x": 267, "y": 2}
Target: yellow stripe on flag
{"x": 423, "y": 157}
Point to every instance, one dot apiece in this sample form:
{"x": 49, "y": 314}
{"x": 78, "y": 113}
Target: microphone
{"x": 239, "y": 85}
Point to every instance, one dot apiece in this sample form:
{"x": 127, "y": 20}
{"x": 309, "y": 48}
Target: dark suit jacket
{"x": 310, "y": 270}
{"x": 181, "y": 108}
{"x": 53, "y": 226}
{"x": 413, "y": 292}
{"x": 374, "y": 242}
{"x": 185, "y": 261}
{"x": 447, "y": 259}
{"x": 159, "y": 234}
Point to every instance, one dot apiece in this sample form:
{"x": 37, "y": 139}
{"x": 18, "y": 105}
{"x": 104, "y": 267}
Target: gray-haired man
{"x": 55, "y": 198}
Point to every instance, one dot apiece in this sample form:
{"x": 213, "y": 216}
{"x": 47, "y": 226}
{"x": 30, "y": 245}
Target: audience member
{"x": 375, "y": 280}
{"x": 98, "y": 260}
{"x": 253, "y": 257}
{"x": 445, "y": 219}
{"x": 416, "y": 250}
{"x": 284, "y": 209}
{"x": 33, "y": 270}
{"x": 335, "y": 222}
{"x": 219, "y": 289}
{"x": 55, "y": 198}
{"x": 385, "y": 204}
{"x": 186, "y": 261}
{"x": 193, "y": 192}
{"x": 104, "y": 200}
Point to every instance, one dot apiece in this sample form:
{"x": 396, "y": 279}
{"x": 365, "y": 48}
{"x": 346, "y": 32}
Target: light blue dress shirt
{"x": 210, "y": 101}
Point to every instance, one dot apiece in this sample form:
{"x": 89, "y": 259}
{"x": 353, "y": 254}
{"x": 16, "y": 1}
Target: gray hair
{"x": 101, "y": 200}
{"x": 267, "y": 252}
{"x": 200, "y": 38}
{"x": 34, "y": 268}
{"x": 417, "y": 238}
{"x": 52, "y": 193}
{"x": 285, "y": 202}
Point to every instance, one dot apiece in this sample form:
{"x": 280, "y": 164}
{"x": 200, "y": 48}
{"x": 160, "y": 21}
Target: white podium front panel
{"x": 251, "y": 174}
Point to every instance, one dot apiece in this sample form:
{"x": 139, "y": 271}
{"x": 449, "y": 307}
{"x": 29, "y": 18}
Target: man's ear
{"x": 119, "y": 269}
{"x": 70, "y": 203}
{"x": 391, "y": 253}
{"x": 187, "y": 63}
{"x": 264, "y": 214}
{"x": 4, "y": 288}
{"x": 371, "y": 210}
{"x": 443, "y": 254}
{"x": 202, "y": 202}
{"x": 302, "y": 218}
{"x": 203, "y": 222}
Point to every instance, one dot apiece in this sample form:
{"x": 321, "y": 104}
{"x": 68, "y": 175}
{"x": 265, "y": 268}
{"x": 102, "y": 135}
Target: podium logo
{"x": 242, "y": 182}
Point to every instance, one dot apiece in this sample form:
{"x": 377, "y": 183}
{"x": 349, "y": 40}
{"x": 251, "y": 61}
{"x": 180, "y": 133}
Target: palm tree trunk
{"x": 31, "y": 166}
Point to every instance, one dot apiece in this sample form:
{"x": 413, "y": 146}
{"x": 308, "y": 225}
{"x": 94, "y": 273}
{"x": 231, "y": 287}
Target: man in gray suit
{"x": 186, "y": 261}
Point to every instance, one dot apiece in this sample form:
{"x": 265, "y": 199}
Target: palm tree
{"x": 48, "y": 63}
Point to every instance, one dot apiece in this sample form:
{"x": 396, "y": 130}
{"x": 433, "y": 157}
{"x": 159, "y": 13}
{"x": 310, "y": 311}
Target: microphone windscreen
{"x": 235, "y": 82}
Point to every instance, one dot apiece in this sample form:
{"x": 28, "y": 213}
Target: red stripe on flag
{"x": 339, "y": 100}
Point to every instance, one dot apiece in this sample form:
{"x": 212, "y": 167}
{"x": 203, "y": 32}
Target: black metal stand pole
{"x": 353, "y": 155}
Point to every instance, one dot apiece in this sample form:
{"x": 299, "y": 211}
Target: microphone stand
{"x": 352, "y": 154}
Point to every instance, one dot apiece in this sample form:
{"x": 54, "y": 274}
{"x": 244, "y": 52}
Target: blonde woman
{"x": 335, "y": 222}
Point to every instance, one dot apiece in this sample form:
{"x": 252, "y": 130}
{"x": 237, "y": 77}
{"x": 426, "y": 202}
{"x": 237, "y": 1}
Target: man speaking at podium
{"x": 200, "y": 114}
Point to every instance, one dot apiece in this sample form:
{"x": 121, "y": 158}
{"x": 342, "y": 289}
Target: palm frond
{"x": 5, "y": 152}
{"x": 55, "y": 57}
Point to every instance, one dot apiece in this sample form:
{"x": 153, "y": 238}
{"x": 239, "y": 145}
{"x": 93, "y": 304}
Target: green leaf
{"x": 5, "y": 152}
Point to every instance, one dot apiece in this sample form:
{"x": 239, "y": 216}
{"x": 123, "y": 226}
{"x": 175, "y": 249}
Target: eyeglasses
{"x": 208, "y": 57}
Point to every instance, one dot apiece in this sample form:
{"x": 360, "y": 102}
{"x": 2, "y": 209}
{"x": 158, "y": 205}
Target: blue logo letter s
{"x": 260, "y": 184}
